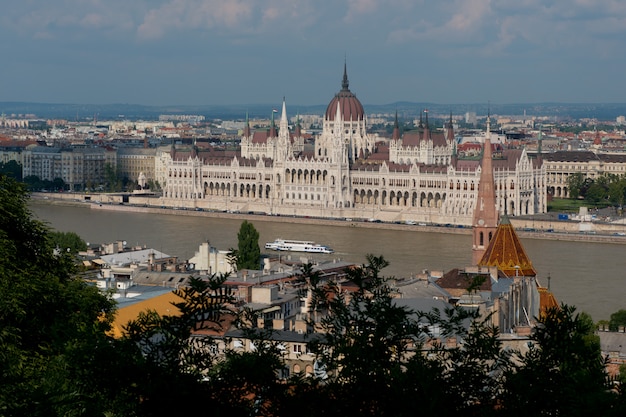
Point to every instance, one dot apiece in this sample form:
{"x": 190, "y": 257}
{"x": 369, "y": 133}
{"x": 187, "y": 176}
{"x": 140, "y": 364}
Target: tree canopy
{"x": 52, "y": 324}
{"x": 248, "y": 250}
{"x": 373, "y": 355}
{"x": 67, "y": 241}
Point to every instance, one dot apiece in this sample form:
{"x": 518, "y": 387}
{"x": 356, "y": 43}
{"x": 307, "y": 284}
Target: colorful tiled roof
{"x": 506, "y": 252}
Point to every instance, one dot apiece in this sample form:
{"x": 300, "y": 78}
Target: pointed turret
{"x": 273, "y": 133}
{"x": 450, "y": 129}
{"x": 246, "y": 129}
{"x": 506, "y": 252}
{"x": 426, "y": 135}
{"x": 284, "y": 122}
{"x": 345, "y": 85}
{"x": 485, "y": 219}
{"x": 194, "y": 149}
{"x": 597, "y": 140}
{"x": 396, "y": 128}
{"x": 298, "y": 129}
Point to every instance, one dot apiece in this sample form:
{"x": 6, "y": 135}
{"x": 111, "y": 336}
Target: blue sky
{"x": 257, "y": 51}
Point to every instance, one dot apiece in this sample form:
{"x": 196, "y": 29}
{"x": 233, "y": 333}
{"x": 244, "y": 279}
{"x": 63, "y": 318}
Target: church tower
{"x": 485, "y": 221}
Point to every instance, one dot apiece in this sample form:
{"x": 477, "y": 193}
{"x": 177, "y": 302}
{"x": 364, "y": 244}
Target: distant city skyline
{"x": 224, "y": 52}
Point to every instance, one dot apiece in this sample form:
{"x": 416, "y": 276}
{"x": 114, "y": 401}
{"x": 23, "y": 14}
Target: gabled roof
{"x": 506, "y": 252}
{"x": 457, "y": 281}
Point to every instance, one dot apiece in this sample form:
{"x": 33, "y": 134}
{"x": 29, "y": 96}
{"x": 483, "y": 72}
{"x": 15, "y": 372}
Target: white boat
{"x": 297, "y": 246}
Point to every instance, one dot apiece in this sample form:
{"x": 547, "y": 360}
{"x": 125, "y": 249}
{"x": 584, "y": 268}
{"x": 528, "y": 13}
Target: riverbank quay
{"x": 547, "y": 227}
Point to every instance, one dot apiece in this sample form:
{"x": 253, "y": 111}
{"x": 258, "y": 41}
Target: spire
{"x": 338, "y": 117}
{"x": 485, "y": 219}
{"x": 283, "y": 116}
{"x": 246, "y": 129}
{"x": 396, "y": 128}
{"x": 298, "y": 130}
{"x": 426, "y": 135}
{"x": 421, "y": 125}
{"x": 539, "y": 145}
{"x": 284, "y": 122}
{"x": 344, "y": 82}
{"x": 272, "y": 133}
{"x": 450, "y": 129}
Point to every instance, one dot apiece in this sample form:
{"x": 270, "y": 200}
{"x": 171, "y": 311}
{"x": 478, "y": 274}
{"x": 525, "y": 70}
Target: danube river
{"x": 590, "y": 276}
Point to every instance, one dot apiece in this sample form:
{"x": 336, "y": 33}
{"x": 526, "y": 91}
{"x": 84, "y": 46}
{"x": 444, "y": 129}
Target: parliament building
{"x": 413, "y": 176}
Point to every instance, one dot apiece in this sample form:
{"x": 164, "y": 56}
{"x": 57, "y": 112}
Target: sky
{"x": 211, "y": 52}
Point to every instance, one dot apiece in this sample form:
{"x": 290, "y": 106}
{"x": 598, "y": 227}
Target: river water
{"x": 590, "y": 276}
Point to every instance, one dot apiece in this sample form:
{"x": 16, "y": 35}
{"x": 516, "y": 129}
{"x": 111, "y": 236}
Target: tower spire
{"x": 426, "y": 135}
{"x": 344, "y": 82}
{"x": 272, "y": 133}
{"x": 284, "y": 122}
{"x": 396, "y": 128}
{"x": 485, "y": 221}
{"x": 246, "y": 129}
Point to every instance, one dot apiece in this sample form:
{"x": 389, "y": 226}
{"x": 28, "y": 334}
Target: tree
{"x": 56, "y": 357}
{"x": 67, "y": 240}
{"x": 12, "y": 169}
{"x": 248, "y": 253}
{"x": 231, "y": 257}
{"x": 617, "y": 192}
{"x": 576, "y": 184}
{"x": 112, "y": 178}
{"x": 384, "y": 359}
{"x": 596, "y": 193}
{"x": 617, "y": 319}
{"x": 563, "y": 372}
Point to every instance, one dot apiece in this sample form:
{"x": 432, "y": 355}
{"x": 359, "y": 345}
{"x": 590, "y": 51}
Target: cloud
{"x": 356, "y": 8}
{"x": 49, "y": 20}
{"x": 193, "y": 14}
{"x": 227, "y": 16}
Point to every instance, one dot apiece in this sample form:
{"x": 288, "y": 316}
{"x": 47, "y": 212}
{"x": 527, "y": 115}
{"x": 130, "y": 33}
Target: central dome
{"x": 351, "y": 107}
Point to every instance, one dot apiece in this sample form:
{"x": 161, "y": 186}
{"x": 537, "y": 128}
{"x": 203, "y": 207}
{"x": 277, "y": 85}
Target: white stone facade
{"x": 350, "y": 174}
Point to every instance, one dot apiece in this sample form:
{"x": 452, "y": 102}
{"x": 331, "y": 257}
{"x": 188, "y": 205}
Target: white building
{"x": 211, "y": 260}
{"x": 349, "y": 173}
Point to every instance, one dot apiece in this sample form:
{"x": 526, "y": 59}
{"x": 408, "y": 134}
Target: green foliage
{"x": 596, "y": 193}
{"x": 563, "y": 372}
{"x": 576, "y": 184}
{"x": 52, "y": 325}
{"x": 34, "y": 183}
{"x": 372, "y": 351}
{"x": 115, "y": 181}
{"x": 617, "y": 319}
{"x": 11, "y": 169}
{"x": 231, "y": 258}
{"x": 248, "y": 252}
{"x": 617, "y": 192}
{"x": 67, "y": 240}
{"x": 568, "y": 205}
{"x": 603, "y": 190}
{"x": 375, "y": 356}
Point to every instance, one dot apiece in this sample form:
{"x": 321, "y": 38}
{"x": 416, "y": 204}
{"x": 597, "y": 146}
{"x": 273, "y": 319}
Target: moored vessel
{"x": 297, "y": 246}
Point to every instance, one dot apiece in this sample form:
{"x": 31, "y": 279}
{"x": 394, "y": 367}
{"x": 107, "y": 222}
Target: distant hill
{"x": 560, "y": 111}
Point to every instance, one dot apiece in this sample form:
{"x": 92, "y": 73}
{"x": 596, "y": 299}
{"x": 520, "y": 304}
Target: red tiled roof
{"x": 457, "y": 281}
{"x": 506, "y": 252}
